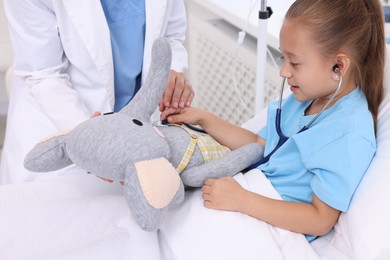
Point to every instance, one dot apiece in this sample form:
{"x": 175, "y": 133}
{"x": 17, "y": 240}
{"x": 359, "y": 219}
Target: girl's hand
{"x": 169, "y": 111}
{"x": 188, "y": 115}
{"x": 223, "y": 194}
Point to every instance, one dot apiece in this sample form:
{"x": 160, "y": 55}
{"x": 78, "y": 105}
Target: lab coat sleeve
{"x": 175, "y": 31}
{"x": 40, "y": 61}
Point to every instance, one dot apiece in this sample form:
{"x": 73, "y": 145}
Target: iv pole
{"x": 264, "y": 13}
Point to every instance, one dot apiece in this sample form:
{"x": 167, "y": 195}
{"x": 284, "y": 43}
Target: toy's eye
{"x": 137, "y": 122}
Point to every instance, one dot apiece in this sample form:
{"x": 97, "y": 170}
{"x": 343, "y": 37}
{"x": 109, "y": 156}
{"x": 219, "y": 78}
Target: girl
{"x": 333, "y": 61}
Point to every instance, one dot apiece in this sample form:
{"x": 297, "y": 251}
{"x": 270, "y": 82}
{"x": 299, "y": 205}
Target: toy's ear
{"x": 159, "y": 181}
{"x": 49, "y": 155}
{"x": 150, "y": 187}
{"x": 147, "y": 98}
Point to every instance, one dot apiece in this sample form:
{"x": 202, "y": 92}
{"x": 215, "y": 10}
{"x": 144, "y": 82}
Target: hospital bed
{"x": 78, "y": 216}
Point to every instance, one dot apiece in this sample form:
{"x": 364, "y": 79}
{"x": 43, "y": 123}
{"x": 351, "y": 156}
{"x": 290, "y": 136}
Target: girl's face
{"x": 308, "y": 73}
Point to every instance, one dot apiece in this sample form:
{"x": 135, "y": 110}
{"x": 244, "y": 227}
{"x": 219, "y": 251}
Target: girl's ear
{"x": 344, "y": 63}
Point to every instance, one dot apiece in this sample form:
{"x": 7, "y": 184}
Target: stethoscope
{"x": 194, "y": 128}
{"x": 283, "y": 138}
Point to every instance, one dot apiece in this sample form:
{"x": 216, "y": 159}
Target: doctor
{"x": 69, "y": 55}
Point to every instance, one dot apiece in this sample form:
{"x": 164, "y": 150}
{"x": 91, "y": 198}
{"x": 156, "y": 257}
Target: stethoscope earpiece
{"x": 336, "y": 68}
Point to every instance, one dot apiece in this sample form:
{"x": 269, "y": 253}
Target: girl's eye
{"x": 294, "y": 64}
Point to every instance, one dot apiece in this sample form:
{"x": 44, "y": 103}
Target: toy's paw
{"x": 150, "y": 187}
{"x": 227, "y": 165}
{"x": 48, "y": 155}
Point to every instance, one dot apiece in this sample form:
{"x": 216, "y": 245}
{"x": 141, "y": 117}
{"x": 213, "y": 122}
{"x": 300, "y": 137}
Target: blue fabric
{"x": 329, "y": 159}
{"x": 127, "y": 22}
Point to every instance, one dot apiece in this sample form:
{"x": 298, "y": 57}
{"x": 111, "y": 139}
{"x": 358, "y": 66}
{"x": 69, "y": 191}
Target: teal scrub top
{"x": 329, "y": 159}
{"x": 127, "y": 22}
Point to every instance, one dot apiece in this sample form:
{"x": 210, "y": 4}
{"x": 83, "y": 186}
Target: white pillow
{"x": 363, "y": 232}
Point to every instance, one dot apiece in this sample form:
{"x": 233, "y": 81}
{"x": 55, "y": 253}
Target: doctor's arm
{"x": 179, "y": 92}
{"x": 40, "y": 62}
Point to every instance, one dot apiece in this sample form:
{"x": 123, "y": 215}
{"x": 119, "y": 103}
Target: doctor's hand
{"x": 111, "y": 181}
{"x": 96, "y": 114}
{"x": 178, "y": 93}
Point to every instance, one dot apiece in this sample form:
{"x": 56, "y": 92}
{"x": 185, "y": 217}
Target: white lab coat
{"x": 64, "y": 70}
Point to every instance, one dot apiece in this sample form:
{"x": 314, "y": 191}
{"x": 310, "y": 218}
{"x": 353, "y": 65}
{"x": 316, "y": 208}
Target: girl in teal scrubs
{"x": 325, "y": 43}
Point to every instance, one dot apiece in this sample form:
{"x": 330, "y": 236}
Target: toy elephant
{"x": 147, "y": 157}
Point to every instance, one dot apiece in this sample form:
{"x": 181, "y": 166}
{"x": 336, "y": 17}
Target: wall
{"x": 224, "y": 76}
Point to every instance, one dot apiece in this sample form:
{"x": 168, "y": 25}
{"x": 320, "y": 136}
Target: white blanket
{"x": 70, "y": 217}
{"x": 193, "y": 232}
{"x": 79, "y": 216}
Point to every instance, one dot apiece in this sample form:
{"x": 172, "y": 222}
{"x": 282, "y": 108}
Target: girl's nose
{"x": 284, "y": 73}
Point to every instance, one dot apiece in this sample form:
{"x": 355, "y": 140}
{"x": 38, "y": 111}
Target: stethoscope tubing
{"x": 283, "y": 138}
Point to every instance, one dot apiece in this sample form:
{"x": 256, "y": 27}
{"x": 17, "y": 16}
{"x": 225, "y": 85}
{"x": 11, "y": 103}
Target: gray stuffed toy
{"x": 147, "y": 157}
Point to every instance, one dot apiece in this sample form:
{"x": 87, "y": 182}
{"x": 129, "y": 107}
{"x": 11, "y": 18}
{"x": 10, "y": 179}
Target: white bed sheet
{"x": 77, "y": 216}
{"x": 81, "y": 217}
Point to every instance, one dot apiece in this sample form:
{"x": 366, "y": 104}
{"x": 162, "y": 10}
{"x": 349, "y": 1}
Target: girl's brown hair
{"x": 353, "y": 25}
